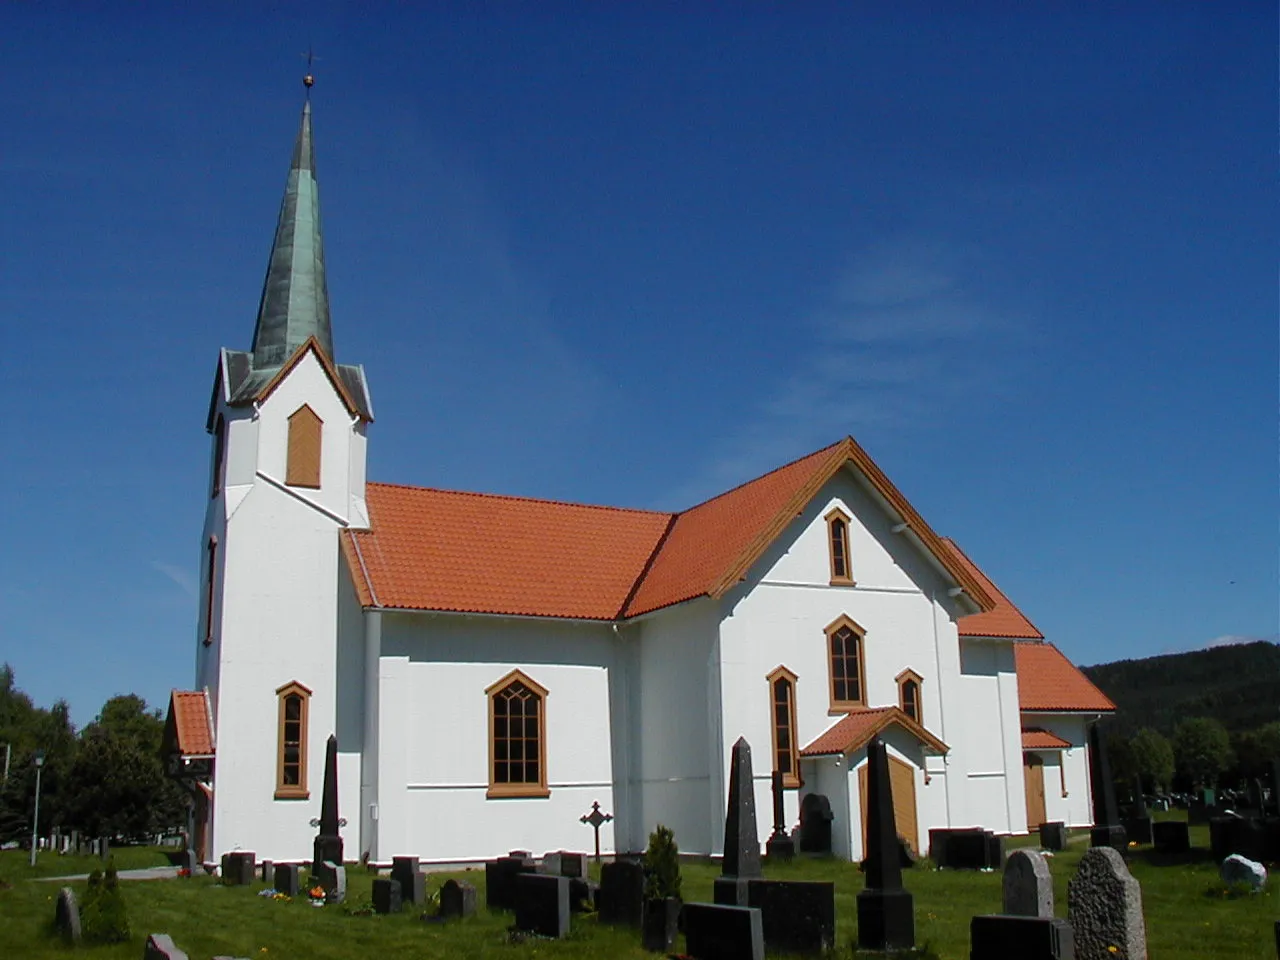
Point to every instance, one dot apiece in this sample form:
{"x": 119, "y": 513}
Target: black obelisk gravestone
{"x": 886, "y": 912}
{"x": 328, "y": 844}
{"x": 779, "y": 846}
{"x": 1107, "y": 830}
{"x": 741, "y": 841}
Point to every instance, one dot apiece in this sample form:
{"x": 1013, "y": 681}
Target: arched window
{"x": 909, "y": 697}
{"x": 219, "y": 451}
{"x": 303, "y": 467}
{"x": 848, "y": 671}
{"x": 517, "y": 737}
{"x": 838, "y": 547}
{"x": 786, "y": 753}
{"x": 293, "y": 700}
{"x": 210, "y": 588}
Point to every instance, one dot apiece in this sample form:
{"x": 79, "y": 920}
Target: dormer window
{"x": 219, "y": 451}
{"x": 838, "y": 547}
{"x": 303, "y": 466}
{"x": 909, "y": 697}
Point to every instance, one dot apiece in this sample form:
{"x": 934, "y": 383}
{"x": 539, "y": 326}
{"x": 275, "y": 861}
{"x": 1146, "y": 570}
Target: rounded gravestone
{"x": 1104, "y": 904}
{"x": 1028, "y": 886}
{"x": 66, "y": 917}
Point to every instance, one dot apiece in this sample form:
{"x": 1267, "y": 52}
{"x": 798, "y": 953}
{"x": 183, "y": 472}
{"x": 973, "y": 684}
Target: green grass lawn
{"x": 14, "y": 864}
{"x": 1187, "y": 914}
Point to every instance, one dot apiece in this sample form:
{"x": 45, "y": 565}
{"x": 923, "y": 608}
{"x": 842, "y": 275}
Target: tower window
{"x": 303, "y": 467}
{"x": 909, "y": 697}
{"x": 293, "y": 701}
{"x": 848, "y": 673}
{"x": 219, "y": 451}
{"x": 517, "y": 737}
{"x": 838, "y": 547}
{"x": 210, "y": 588}
{"x": 782, "y": 698}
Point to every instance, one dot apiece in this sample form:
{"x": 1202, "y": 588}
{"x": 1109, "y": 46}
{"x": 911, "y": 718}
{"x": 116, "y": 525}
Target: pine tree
{"x": 662, "y": 865}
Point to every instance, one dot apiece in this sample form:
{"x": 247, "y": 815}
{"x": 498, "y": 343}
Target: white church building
{"x": 493, "y": 665}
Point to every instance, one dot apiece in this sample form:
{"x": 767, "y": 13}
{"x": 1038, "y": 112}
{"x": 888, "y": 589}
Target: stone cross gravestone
{"x": 1104, "y": 906}
{"x": 66, "y": 915}
{"x": 1028, "y": 887}
{"x": 886, "y": 912}
{"x": 741, "y": 838}
{"x": 596, "y": 820}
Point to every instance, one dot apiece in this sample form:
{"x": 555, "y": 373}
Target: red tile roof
{"x": 1037, "y": 738}
{"x": 859, "y": 726}
{"x": 1050, "y": 683}
{"x": 442, "y": 550}
{"x": 1004, "y": 620}
{"x": 190, "y": 723}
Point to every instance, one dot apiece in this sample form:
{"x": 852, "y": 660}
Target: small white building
{"x": 491, "y": 666}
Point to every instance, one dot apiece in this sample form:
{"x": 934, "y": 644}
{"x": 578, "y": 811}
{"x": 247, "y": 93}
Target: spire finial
{"x": 309, "y": 79}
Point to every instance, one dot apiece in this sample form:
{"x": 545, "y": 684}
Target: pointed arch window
{"x": 210, "y": 587}
{"x": 910, "y": 698}
{"x": 838, "y": 547}
{"x": 293, "y": 707}
{"x": 219, "y": 452}
{"x": 303, "y": 466}
{"x": 846, "y": 654}
{"x": 782, "y": 700}
{"x": 517, "y": 737}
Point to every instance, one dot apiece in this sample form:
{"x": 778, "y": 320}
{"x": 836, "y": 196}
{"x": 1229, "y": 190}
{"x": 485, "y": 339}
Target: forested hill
{"x": 1238, "y": 685}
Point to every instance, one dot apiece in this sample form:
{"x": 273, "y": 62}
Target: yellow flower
{"x": 1113, "y": 949}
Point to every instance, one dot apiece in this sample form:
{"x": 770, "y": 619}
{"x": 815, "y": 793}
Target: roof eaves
{"x": 313, "y": 345}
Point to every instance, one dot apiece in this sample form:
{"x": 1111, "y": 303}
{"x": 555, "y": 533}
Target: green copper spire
{"x": 295, "y": 297}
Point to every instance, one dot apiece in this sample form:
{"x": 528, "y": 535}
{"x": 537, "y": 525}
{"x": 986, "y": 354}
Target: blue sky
{"x": 635, "y": 255}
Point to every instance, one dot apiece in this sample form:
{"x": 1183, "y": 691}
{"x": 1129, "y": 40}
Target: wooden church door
{"x": 1033, "y": 782}
{"x": 902, "y": 786}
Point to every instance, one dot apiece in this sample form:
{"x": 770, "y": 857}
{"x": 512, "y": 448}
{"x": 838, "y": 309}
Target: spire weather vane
{"x": 309, "y": 79}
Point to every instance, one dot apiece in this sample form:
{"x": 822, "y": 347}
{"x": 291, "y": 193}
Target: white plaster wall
{"x": 906, "y": 748}
{"x": 985, "y": 778}
{"x": 827, "y": 776}
{"x": 1074, "y": 809}
{"x": 676, "y": 778}
{"x": 433, "y": 762}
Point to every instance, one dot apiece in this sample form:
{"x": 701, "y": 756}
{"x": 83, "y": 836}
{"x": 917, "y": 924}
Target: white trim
{"x": 297, "y": 496}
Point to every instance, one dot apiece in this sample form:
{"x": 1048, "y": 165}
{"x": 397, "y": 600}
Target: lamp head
{"x": 39, "y": 758}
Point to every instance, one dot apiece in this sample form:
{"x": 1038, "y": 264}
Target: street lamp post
{"x": 35, "y": 820}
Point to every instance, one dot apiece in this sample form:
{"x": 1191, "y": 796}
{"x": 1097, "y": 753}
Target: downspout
{"x": 942, "y": 704}
{"x": 369, "y": 751}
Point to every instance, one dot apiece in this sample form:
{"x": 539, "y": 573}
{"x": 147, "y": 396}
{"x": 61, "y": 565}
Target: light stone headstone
{"x": 1104, "y": 905}
{"x": 66, "y": 917}
{"x": 1028, "y": 886}
{"x": 1237, "y": 869}
{"x": 160, "y": 946}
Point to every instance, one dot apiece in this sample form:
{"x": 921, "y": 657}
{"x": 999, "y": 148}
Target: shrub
{"x": 103, "y": 918}
{"x": 662, "y": 865}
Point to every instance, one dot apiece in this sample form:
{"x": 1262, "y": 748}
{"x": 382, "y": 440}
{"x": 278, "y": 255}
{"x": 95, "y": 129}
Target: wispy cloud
{"x": 1234, "y": 639}
{"x": 906, "y": 331}
{"x": 183, "y": 578}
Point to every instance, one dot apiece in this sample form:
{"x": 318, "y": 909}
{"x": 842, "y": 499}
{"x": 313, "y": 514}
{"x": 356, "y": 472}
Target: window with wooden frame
{"x": 909, "y": 696}
{"x": 845, "y": 642}
{"x": 782, "y": 699}
{"x": 219, "y": 451}
{"x": 517, "y": 737}
{"x": 210, "y": 588}
{"x": 293, "y": 700}
{"x": 838, "y": 547}
{"x": 303, "y": 466}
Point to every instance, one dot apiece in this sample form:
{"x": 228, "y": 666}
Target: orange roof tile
{"x": 477, "y": 553}
{"x": 1037, "y": 738}
{"x": 1050, "y": 683}
{"x": 859, "y": 726}
{"x": 190, "y": 723}
{"x": 443, "y": 550}
{"x": 1003, "y": 620}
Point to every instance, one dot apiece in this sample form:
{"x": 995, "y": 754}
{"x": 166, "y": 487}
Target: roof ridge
{"x": 747, "y": 483}
{"x": 523, "y": 499}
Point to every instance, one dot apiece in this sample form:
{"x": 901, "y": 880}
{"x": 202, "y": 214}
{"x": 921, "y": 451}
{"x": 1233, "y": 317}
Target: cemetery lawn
{"x": 15, "y": 864}
{"x": 1188, "y": 915}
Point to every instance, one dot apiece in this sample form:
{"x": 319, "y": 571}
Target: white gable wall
{"x": 1075, "y": 806}
{"x": 988, "y": 791}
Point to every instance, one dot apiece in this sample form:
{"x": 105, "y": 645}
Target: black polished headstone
{"x": 660, "y": 924}
{"x": 1109, "y": 836}
{"x": 386, "y": 895}
{"x": 402, "y": 868}
{"x": 1171, "y": 836}
{"x": 333, "y": 878}
{"x": 815, "y": 823}
{"x": 741, "y": 839}
{"x": 965, "y": 848}
{"x": 237, "y": 868}
{"x": 621, "y": 896}
{"x": 542, "y": 904}
{"x": 886, "y": 913}
{"x": 287, "y": 879}
{"x": 797, "y": 917}
{"x": 582, "y": 894}
{"x": 1138, "y": 829}
{"x": 717, "y": 932}
{"x": 1107, "y": 831}
{"x": 328, "y": 842}
{"x": 561, "y": 863}
{"x": 500, "y": 879}
{"x": 1053, "y": 835}
{"x": 457, "y": 899}
{"x": 1275, "y": 787}
{"x": 266, "y": 871}
{"x": 1020, "y": 938}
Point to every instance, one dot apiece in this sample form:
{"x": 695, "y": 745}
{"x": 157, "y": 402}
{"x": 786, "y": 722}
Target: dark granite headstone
{"x": 561, "y": 863}
{"x": 1138, "y": 829}
{"x": 621, "y": 892}
{"x": 160, "y": 946}
{"x": 333, "y": 878}
{"x": 287, "y": 879}
{"x": 1027, "y": 885}
{"x": 237, "y": 868}
{"x": 66, "y": 915}
{"x": 1171, "y": 836}
{"x": 1252, "y": 837}
{"x": 797, "y": 917}
{"x": 965, "y": 848}
{"x": 189, "y": 861}
{"x": 886, "y": 913}
{"x": 500, "y": 879}
{"x": 1020, "y": 938}
{"x": 1053, "y": 836}
{"x": 815, "y": 823}
{"x": 457, "y": 899}
{"x": 542, "y": 904}
{"x": 1107, "y": 831}
{"x": 741, "y": 839}
{"x": 731, "y": 891}
{"x": 717, "y": 932}
{"x": 1139, "y": 800}
{"x": 1275, "y": 787}
{"x": 328, "y": 842}
{"x": 582, "y": 894}
{"x": 266, "y": 870}
{"x": 660, "y": 924}
{"x": 413, "y": 882}
{"x": 386, "y": 895}
{"x": 779, "y": 846}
